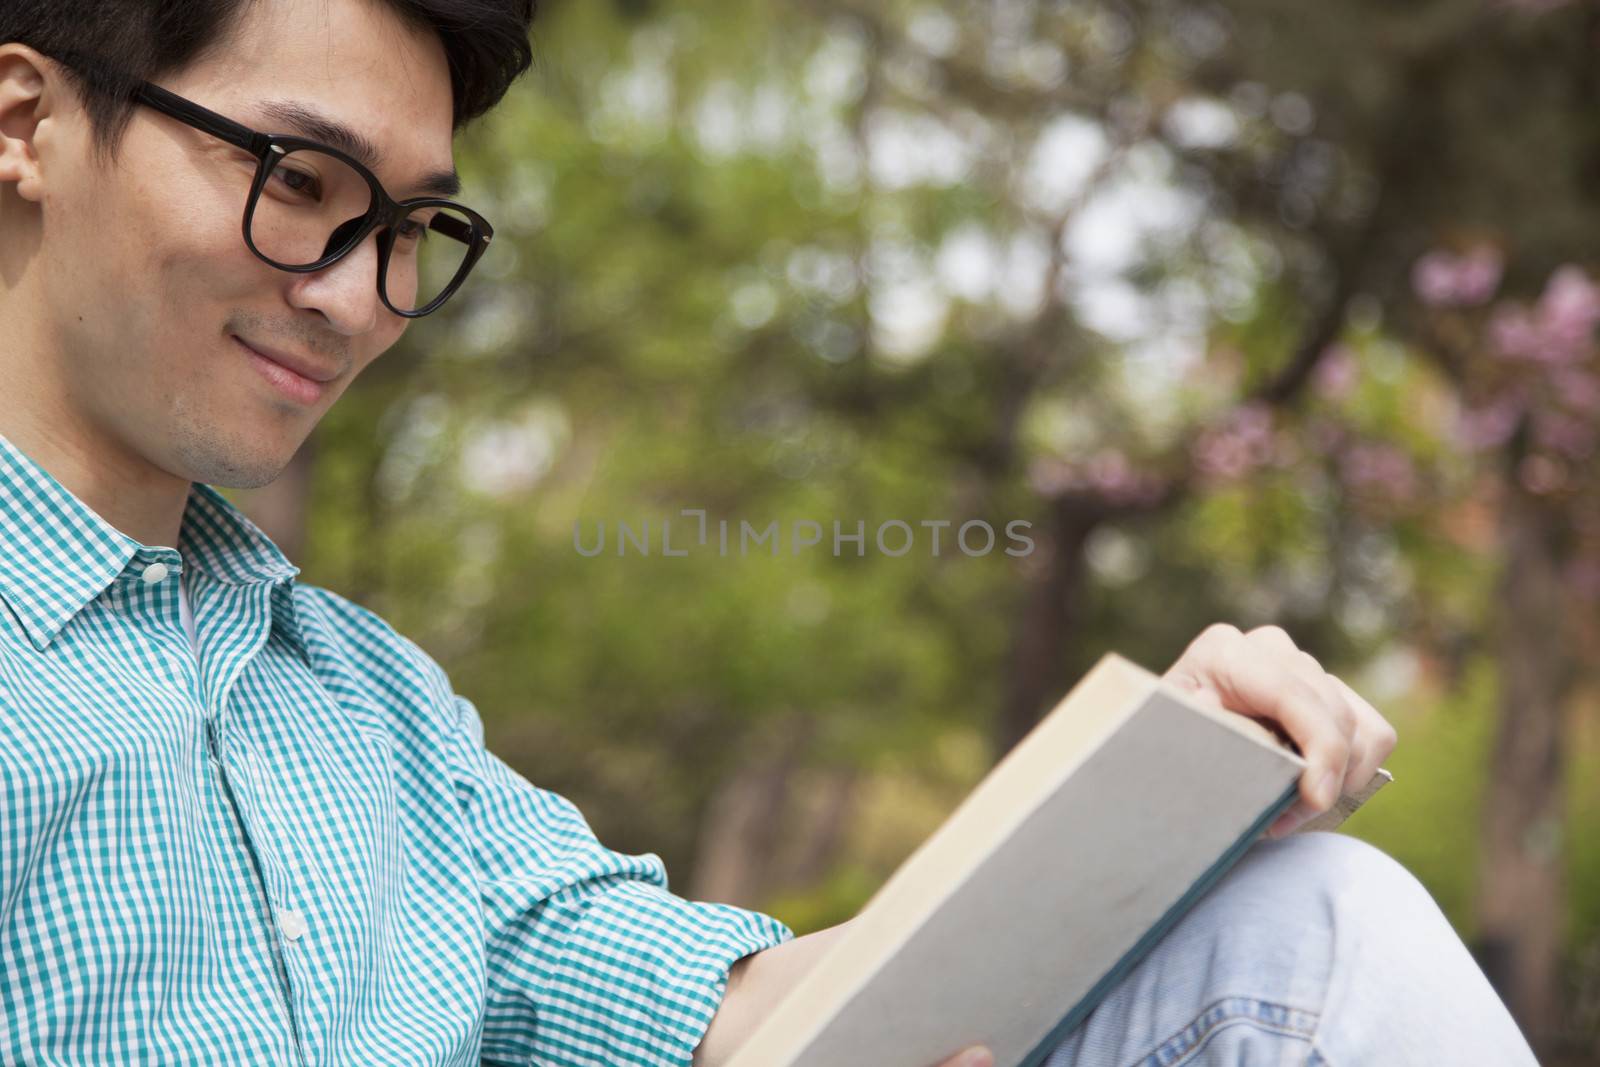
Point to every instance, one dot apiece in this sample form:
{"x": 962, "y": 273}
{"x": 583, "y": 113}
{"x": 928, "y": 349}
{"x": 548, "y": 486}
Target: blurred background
{"x": 1264, "y": 312}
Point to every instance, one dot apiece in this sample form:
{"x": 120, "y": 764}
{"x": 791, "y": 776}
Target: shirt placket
{"x": 213, "y": 680}
{"x": 264, "y": 897}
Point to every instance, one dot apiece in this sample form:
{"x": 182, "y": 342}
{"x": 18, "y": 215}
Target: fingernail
{"x": 976, "y": 1057}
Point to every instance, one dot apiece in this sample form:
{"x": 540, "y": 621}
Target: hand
{"x": 1263, "y": 675}
{"x": 976, "y": 1056}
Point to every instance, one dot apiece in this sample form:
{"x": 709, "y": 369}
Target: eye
{"x": 412, "y": 229}
{"x": 301, "y": 184}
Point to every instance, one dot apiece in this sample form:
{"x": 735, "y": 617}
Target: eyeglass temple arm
{"x": 201, "y": 118}
{"x": 452, "y": 227}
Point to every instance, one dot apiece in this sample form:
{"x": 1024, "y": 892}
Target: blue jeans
{"x": 1317, "y": 949}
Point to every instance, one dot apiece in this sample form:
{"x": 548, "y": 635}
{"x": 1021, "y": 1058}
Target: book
{"x": 1049, "y": 882}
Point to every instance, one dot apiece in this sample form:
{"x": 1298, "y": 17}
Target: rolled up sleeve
{"x": 591, "y": 959}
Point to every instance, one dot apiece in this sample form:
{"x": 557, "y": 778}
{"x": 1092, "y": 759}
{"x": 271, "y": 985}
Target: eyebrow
{"x": 319, "y": 127}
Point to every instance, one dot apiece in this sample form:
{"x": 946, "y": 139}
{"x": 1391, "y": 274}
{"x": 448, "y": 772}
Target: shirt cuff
{"x": 640, "y": 974}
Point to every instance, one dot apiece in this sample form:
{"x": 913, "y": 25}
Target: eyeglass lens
{"x": 314, "y": 202}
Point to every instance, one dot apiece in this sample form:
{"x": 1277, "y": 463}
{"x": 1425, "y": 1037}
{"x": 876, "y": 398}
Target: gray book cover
{"x": 1053, "y": 877}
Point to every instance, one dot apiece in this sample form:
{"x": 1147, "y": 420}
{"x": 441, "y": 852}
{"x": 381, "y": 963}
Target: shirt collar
{"x": 57, "y": 554}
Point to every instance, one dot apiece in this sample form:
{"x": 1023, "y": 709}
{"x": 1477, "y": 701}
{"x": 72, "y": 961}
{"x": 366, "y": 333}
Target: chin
{"x": 226, "y": 462}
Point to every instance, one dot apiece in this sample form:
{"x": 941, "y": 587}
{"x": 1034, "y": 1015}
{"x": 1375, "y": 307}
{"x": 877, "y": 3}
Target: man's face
{"x": 147, "y": 284}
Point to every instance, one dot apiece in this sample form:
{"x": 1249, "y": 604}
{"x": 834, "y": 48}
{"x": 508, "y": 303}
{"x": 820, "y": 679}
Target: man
{"x": 244, "y": 821}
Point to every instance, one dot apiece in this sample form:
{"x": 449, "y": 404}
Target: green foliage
{"x": 1428, "y": 818}
{"x": 694, "y": 306}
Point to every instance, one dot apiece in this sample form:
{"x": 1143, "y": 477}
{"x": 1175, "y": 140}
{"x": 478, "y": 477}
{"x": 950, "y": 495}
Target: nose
{"x": 345, "y": 292}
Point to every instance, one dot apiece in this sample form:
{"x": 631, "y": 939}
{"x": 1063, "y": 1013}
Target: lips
{"x": 300, "y": 365}
{"x": 290, "y": 384}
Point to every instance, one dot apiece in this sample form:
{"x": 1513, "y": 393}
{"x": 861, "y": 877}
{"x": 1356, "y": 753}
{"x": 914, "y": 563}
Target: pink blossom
{"x": 1221, "y": 456}
{"x": 1570, "y": 308}
{"x": 1117, "y": 479}
{"x": 1514, "y": 333}
{"x": 1558, "y": 330}
{"x": 1578, "y": 389}
{"x": 1441, "y": 279}
{"x": 1379, "y": 466}
{"x": 1110, "y": 472}
{"x": 1336, "y": 371}
{"x": 1240, "y": 444}
{"x": 1490, "y": 426}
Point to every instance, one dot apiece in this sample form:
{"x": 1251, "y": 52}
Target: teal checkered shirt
{"x": 290, "y": 845}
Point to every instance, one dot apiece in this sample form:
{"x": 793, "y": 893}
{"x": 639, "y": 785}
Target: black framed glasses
{"x": 311, "y": 204}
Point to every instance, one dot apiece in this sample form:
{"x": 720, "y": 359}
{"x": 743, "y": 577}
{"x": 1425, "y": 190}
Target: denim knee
{"x": 1400, "y": 986}
{"x": 1317, "y": 948}
{"x": 1334, "y": 878}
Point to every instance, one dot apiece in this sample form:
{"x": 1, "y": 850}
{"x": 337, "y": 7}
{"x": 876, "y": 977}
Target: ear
{"x": 29, "y": 88}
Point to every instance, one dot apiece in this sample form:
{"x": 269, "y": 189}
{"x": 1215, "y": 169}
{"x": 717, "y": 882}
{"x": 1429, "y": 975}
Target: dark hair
{"x": 485, "y": 41}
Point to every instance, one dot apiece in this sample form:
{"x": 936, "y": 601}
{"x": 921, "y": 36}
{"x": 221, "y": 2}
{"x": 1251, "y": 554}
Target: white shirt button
{"x": 291, "y": 924}
{"x": 156, "y": 572}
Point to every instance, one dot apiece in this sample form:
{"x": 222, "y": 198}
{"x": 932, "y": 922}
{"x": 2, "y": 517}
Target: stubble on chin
{"x": 209, "y": 450}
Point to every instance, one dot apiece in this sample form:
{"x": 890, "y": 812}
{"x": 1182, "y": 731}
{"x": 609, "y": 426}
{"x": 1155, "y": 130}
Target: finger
{"x": 1374, "y": 740}
{"x": 1340, "y": 709}
{"x": 1290, "y": 821}
{"x": 1277, "y": 642}
{"x": 1377, "y": 738}
{"x": 1344, "y": 717}
{"x": 1273, "y": 637}
{"x": 976, "y": 1056}
{"x": 1191, "y": 671}
{"x": 1258, "y": 682}
{"x": 1343, "y": 712}
{"x": 1204, "y": 667}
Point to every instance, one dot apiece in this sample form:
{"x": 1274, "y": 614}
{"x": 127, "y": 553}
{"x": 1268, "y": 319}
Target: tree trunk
{"x": 1053, "y": 580}
{"x": 1522, "y": 903}
{"x": 818, "y": 830}
{"x": 743, "y": 825}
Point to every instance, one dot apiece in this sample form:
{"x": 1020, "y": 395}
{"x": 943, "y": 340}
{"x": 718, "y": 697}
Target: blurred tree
{"x": 1209, "y": 294}
{"x": 1469, "y": 124}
